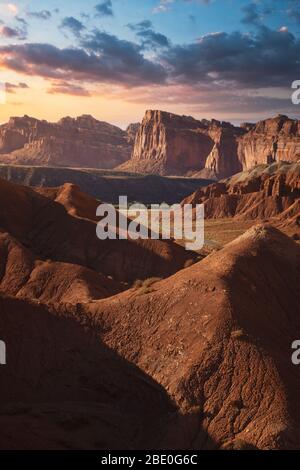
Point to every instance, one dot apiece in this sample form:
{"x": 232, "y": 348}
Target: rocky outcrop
{"x": 180, "y": 145}
{"x": 169, "y": 144}
{"x": 269, "y": 141}
{"x": 164, "y": 144}
{"x": 266, "y": 192}
{"x": 80, "y": 142}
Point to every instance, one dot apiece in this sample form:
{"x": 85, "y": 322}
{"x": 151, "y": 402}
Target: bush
{"x": 145, "y": 290}
{"x": 237, "y": 334}
{"x": 150, "y": 281}
{"x": 137, "y": 284}
{"x": 146, "y": 284}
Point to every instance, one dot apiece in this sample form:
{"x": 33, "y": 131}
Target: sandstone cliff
{"x": 272, "y": 140}
{"x": 180, "y": 145}
{"x": 169, "y": 144}
{"x": 164, "y": 144}
{"x": 80, "y": 142}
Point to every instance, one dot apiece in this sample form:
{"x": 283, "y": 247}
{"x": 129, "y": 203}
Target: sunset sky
{"x": 228, "y": 59}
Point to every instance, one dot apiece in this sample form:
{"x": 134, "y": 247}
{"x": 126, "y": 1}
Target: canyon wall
{"x": 81, "y": 142}
{"x": 164, "y": 144}
{"x": 168, "y": 144}
{"x": 269, "y": 141}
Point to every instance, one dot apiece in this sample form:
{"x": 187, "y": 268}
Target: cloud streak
{"x": 104, "y": 8}
{"x": 67, "y": 88}
{"x": 149, "y": 38}
{"x": 102, "y": 58}
{"x": 40, "y": 15}
{"x": 73, "y": 25}
{"x": 266, "y": 59}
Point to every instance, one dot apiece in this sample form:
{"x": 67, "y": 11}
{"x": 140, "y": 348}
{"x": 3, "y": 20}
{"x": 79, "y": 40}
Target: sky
{"x": 232, "y": 60}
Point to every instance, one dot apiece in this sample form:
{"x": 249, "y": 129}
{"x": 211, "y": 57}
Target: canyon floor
{"x": 106, "y": 185}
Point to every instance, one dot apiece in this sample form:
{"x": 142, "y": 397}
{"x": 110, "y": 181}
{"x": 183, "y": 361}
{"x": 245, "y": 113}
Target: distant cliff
{"x": 269, "y": 141}
{"x": 168, "y": 144}
{"x": 163, "y": 144}
{"x": 81, "y": 142}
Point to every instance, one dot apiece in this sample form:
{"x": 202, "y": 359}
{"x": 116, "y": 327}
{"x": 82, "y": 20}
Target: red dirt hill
{"x": 217, "y": 336}
{"x": 199, "y": 360}
{"x": 62, "y": 388}
{"x": 59, "y": 228}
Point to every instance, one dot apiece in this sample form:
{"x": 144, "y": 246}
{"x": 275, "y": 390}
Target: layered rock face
{"x": 269, "y": 141}
{"x": 164, "y": 144}
{"x": 81, "y": 142}
{"x": 179, "y": 145}
{"x": 265, "y": 192}
{"x": 168, "y": 144}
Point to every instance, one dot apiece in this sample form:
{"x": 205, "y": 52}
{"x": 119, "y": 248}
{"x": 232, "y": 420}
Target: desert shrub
{"x": 150, "y": 281}
{"x": 144, "y": 287}
{"x": 137, "y": 284}
{"x": 145, "y": 290}
{"x": 237, "y": 333}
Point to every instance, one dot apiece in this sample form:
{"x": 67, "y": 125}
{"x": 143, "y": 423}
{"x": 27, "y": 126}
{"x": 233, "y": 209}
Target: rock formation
{"x": 267, "y": 192}
{"x": 25, "y": 276}
{"x": 269, "y": 141}
{"x": 80, "y": 142}
{"x": 178, "y": 145}
{"x": 164, "y": 144}
{"x": 200, "y": 359}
